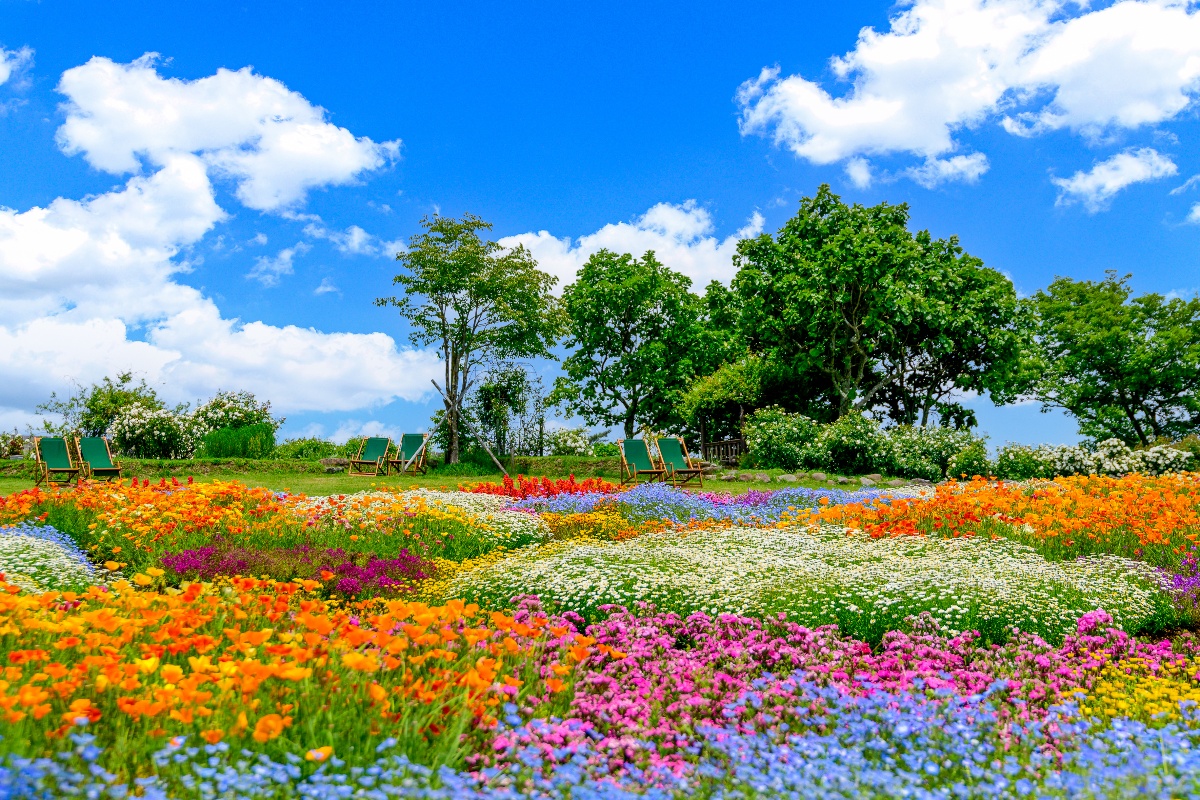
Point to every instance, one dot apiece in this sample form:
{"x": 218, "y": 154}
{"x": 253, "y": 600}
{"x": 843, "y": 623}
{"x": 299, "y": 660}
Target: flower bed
{"x": 569, "y": 639}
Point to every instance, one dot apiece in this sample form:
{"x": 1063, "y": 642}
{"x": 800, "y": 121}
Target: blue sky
{"x": 221, "y": 214}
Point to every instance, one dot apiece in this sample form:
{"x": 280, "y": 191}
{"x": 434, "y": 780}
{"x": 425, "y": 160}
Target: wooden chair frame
{"x": 45, "y": 472}
{"x": 107, "y": 473}
{"x": 630, "y": 474}
{"x": 679, "y": 475}
{"x": 377, "y": 466}
{"x": 414, "y": 464}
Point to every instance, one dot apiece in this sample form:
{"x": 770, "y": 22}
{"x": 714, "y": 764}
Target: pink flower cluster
{"x": 681, "y": 675}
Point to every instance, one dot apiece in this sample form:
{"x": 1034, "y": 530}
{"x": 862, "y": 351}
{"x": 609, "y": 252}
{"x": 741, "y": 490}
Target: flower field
{"x": 575, "y": 639}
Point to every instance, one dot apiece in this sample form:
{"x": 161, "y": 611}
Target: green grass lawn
{"x": 339, "y": 483}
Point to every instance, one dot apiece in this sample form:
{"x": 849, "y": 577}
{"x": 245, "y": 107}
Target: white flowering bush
{"x": 930, "y": 452}
{"x": 569, "y": 442}
{"x": 1110, "y": 457}
{"x": 143, "y": 432}
{"x": 231, "y": 410}
{"x": 777, "y": 438}
{"x": 856, "y": 444}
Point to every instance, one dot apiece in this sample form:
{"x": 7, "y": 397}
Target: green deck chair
{"x": 675, "y": 459}
{"x": 97, "y": 458}
{"x": 636, "y": 462}
{"x": 410, "y": 458}
{"x": 54, "y": 458}
{"x": 372, "y": 458}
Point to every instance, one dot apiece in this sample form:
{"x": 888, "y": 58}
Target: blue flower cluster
{"x": 929, "y": 745}
{"x": 659, "y": 501}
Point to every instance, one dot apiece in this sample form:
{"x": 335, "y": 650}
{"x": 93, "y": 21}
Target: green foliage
{"x": 509, "y": 410}
{"x": 718, "y": 402}
{"x": 634, "y": 328}
{"x": 851, "y": 311}
{"x": 91, "y": 410}
{"x": 234, "y": 410}
{"x": 1018, "y": 462}
{"x": 307, "y": 449}
{"x": 1124, "y": 368}
{"x": 146, "y": 432}
{"x": 476, "y": 301}
{"x": 249, "y": 441}
{"x": 971, "y": 461}
{"x": 855, "y": 444}
{"x": 606, "y": 450}
{"x": 928, "y": 452}
{"x": 776, "y": 438}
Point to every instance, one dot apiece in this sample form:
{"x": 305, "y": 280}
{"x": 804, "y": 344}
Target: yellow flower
{"x": 320, "y": 754}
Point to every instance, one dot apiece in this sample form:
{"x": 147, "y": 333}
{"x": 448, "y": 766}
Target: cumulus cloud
{"x": 936, "y": 171}
{"x": 1194, "y": 216}
{"x": 273, "y": 142}
{"x": 326, "y": 287}
{"x": 268, "y": 270}
{"x": 352, "y": 240}
{"x": 89, "y": 287}
{"x": 945, "y": 66}
{"x": 13, "y": 61}
{"x": 681, "y": 236}
{"x": 1096, "y": 187}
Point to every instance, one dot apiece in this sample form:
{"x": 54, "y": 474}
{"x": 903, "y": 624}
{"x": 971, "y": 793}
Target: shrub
{"x": 233, "y": 410}
{"x": 776, "y": 438}
{"x": 606, "y": 450}
{"x": 307, "y": 449}
{"x": 143, "y": 432}
{"x": 928, "y": 452}
{"x": 1018, "y": 462}
{"x": 855, "y": 444}
{"x": 251, "y": 441}
{"x": 569, "y": 442}
{"x": 971, "y": 461}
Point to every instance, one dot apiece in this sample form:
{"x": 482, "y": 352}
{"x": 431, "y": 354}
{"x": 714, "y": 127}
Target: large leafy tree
{"x": 90, "y": 410}
{"x": 1124, "y": 367}
{"x": 633, "y": 327}
{"x": 475, "y": 301}
{"x": 853, "y": 312}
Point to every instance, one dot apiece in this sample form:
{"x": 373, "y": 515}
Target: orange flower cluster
{"x": 1072, "y": 515}
{"x": 262, "y": 660}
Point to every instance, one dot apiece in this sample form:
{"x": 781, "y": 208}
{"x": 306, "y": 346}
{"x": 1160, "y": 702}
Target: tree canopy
{"x": 475, "y": 301}
{"x": 1124, "y": 367}
{"x": 633, "y": 325}
{"x": 91, "y": 410}
{"x": 853, "y": 312}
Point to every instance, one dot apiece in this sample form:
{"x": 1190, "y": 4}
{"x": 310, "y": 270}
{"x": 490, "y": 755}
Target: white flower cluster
{"x": 143, "y": 432}
{"x": 1110, "y": 457}
{"x": 232, "y": 410}
{"x": 823, "y": 576}
{"x": 569, "y": 442}
{"x": 39, "y": 563}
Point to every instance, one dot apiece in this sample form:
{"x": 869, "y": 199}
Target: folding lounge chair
{"x": 411, "y": 456}
{"x": 673, "y": 455}
{"x": 54, "y": 457}
{"x": 96, "y": 458}
{"x": 636, "y": 461}
{"x": 372, "y": 458}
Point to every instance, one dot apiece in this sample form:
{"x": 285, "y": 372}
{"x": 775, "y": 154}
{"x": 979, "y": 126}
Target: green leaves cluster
{"x": 90, "y": 410}
{"x": 1124, "y": 367}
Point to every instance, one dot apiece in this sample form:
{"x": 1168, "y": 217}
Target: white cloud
{"x": 1194, "y": 216}
{"x": 680, "y": 236}
{"x": 13, "y": 61}
{"x": 259, "y": 239}
{"x": 353, "y": 428}
{"x": 936, "y": 171}
{"x": 945, "y": 66}
{"x": 268, "y": 270}
{"x": 326, "y": 287}
{"x": 858, "y": 170}
{"x": 352, "y": 240}
{"x": 271, "y": 141}
{"x": 89, "y": 287}
{"x": 1098, "y": 185}
{"x": 1188, "y": 184}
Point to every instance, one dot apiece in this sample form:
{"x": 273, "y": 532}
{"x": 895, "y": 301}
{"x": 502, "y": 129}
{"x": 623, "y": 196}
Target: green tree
{"x": 476, "y": 301}
{"x": 91, "y": 410}
{"x": 717, "y": 403}
{"x": 632, "y": 325}
{"x": 503, "y": 393}
{"x": 852, "y": 312}
{"x": 1124, "y": 368}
